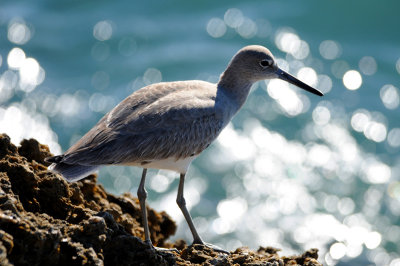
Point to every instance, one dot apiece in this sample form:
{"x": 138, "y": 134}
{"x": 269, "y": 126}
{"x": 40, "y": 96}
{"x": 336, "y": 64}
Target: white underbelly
{"x": 181, "y": 165}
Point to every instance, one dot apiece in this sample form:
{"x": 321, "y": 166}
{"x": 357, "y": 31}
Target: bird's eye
{"x": 265, "y": 63}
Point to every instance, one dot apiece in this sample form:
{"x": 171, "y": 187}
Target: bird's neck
{"x": 234, "y": 86}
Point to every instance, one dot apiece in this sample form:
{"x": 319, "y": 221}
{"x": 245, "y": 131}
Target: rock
{"x": 45, "y": 220}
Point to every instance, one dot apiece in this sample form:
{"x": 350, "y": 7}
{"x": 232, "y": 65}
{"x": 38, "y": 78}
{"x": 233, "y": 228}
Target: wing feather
{"x": 163, "y": 120}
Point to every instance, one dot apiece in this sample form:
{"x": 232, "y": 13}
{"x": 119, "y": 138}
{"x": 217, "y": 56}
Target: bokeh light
{"x": 233, "y": 17}
{"x": 216, "y": 27}
{"x": 122, "y": 183}
{"x": 390, "y": 96}
{"x": 394, "y": 138}
{"x": 160, "y": 183}
{"x": 19, "y": 123}
{"x": 103, "y": 30}
{"x": 18, "y": 31}
{"x": 330, "y": 49}
{"x": 15, "y": 58}
{"x": 247, "y": 29}
{"x": 324, "y": 83}
{"x": 368, "y": 65}
{"x": 375, "y": 131}
{"x": 31, "y": 74}
{"x": 288, "y": 41}
{"x": 352, "y": 80}
{"x": 338, "y": 250}
{"x": 377, "y": 172}
{"x": 288, "y": 100}
{"x": 308, "y": 75}
{"x": 152, "y": 75}
{"x": 360, "y": 120}
{"x": 321, "y": 115}
{"x": 372, "y": 127}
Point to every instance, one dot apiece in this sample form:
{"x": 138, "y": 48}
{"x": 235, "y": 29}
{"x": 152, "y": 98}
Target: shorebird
{"x": 167, "y": 125}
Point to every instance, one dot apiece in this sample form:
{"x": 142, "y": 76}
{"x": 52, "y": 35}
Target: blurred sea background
{"x": 292, "y": 170}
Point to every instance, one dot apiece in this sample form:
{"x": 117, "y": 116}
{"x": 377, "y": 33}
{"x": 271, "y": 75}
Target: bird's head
{"x": 255, "y": 62}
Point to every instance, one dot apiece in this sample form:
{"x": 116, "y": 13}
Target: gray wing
{"x": 163, "y": 120}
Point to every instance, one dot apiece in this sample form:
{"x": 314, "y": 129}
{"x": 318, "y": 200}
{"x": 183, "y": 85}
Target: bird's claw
{"x": 213, "y": 247}
{"x": 158, "y": 249}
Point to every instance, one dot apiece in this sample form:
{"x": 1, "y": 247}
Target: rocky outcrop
{"x": 46, "y": 221}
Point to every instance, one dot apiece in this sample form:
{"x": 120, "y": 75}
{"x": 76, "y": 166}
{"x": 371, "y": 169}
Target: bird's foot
{"x": 158, "y": 249}
{"x": 213, "y": 247}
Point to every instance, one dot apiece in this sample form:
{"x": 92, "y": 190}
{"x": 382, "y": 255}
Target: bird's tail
{"x": 71, "y": 172}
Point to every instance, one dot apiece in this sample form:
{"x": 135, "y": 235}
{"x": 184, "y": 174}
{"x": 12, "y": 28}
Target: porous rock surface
{"x": 45, "y": 220}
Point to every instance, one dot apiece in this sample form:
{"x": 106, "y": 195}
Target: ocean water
{"x": 292, "y": 170}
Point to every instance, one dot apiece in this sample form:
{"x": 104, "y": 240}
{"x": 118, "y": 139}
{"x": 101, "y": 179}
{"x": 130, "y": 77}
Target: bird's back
{"x": 160, "y": 121}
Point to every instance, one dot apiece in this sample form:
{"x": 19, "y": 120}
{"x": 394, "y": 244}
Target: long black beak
{"x": 289, "y": 78}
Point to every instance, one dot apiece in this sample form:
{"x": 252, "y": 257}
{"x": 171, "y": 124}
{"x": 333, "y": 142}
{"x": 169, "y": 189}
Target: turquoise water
{"x": 292, "y": 170}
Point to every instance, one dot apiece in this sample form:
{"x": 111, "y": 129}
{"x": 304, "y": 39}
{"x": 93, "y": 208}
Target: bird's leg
{"x": 180, "y": 200}
{"x": 142, "y": 195}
